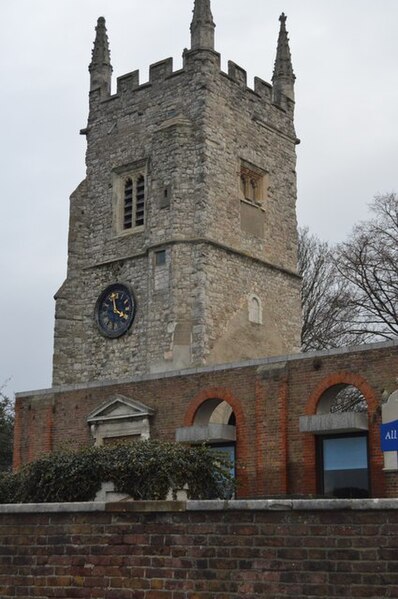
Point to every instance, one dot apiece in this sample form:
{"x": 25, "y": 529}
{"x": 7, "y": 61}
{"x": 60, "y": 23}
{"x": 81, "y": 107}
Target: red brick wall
{"x": 222, "y": 554}
{"x": 273, "y": 456}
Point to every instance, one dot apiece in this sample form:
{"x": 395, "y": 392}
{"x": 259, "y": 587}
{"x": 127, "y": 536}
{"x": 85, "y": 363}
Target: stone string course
{"x": 200, "y": 550}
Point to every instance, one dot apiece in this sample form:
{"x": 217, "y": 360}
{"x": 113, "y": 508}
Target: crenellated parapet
{"x": 197, "y": 63}
{"x": 202, "y": 60}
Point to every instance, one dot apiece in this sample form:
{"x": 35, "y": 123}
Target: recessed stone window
{"x": 255, "y": 310}
{"x": 161, "y": 270}
{"x": 130, "y": 191}
{"x": 253, "y": 187}
{"x": 253, "y": 184}
{"x": 165, "y": 197}
{"x": 160, "y": 258}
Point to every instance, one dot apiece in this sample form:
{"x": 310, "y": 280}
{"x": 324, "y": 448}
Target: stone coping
{"x": 252, "y": 505}
{"x": 270, "y": 362}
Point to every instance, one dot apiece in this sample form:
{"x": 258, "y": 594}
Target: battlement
{"x": 237, "y": 73}
{"x": 158, "y": 72}
{"x": 162, "y": 71}
{"x": 201, "y": 58}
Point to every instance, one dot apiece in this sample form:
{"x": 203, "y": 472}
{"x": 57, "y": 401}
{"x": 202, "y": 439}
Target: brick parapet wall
{"x": 267, "y": 396}
{"x": 200, "y": 550}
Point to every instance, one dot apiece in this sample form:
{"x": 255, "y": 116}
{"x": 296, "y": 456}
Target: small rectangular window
{"x": 160, "y": 258}
{"x": 161, "y": 270}
{"x": 165, "y": 196}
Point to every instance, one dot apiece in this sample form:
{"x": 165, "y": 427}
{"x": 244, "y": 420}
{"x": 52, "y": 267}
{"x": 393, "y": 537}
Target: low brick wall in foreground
{"x": 200, "y": 550}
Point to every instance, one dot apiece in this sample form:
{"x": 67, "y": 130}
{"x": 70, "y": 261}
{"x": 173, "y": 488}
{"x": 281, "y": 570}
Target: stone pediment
{"x": 119, "y": 407}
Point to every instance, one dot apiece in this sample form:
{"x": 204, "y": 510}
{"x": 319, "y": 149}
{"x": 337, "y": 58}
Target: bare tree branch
{"x": 327, "y": 315}
{"x": 368, "y": 264}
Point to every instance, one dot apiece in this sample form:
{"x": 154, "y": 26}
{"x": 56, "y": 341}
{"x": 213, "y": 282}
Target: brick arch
{"x": 375, "y": 453}
{"x": 342, "y": 378}
{"x": 214, "y": 393}
{"x": 242, "y": 449}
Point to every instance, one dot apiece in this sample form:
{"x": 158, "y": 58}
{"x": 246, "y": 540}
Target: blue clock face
{"x": 115, "y": 310}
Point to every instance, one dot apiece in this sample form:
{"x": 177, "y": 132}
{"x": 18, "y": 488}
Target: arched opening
{"x": 341, "y": 399}
{"x": 342, "y": 447}
{"x": 214, "y": 423}
{"x": 215, "y": 411}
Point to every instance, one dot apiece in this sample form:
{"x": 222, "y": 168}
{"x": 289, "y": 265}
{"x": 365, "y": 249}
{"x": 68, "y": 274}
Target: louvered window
{"x": 140, "y": 202}
{"x": 128, "y": 204}
{"x": 133, "y": 202}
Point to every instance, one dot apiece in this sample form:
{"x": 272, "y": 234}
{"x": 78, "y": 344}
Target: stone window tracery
{"x": 252, "y": 184}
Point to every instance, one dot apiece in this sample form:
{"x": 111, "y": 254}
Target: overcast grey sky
{"x": 345, "y": 59}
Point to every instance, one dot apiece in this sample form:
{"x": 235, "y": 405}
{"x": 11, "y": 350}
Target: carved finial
{"x": 100, "y": 67}
{"x": 283, "y": 78}
{"x": 202, "y": 26}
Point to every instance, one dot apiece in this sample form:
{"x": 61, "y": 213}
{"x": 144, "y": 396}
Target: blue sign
{"x": 389, "y": 436}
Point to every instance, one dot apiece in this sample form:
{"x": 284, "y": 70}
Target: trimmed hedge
{"x": 143, "y": 470}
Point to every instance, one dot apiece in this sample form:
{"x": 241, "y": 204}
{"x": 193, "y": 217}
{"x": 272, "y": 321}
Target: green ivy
{"x": 143, "y": 470}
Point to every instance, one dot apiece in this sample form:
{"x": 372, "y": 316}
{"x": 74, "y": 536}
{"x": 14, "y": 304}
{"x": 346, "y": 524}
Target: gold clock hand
{"x": 116, "y": 311}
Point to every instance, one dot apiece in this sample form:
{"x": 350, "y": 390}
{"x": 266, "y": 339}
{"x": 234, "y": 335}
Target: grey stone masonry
{"x": 218, "y": 238}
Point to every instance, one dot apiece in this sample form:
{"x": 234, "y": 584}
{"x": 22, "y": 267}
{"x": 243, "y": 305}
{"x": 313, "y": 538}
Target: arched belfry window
{"x": 130, "y": 191}
{"x": 134, "y": 202}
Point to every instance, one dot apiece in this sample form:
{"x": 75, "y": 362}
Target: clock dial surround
{"x": 115, "y": 310}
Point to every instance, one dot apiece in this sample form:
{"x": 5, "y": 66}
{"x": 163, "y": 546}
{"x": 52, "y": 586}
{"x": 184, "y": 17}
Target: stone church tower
{"x": 183, "y": 236}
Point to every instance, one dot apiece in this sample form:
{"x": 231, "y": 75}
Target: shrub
{"x": 149, "y": 469}
{"x": 10, "y": 487}
{"x": 143, "y": 470}
{"x": 63, "y": 476}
